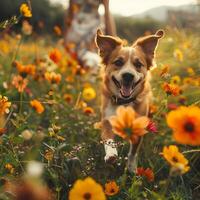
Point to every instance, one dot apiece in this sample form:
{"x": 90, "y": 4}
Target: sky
{"x": 131, "y": 7}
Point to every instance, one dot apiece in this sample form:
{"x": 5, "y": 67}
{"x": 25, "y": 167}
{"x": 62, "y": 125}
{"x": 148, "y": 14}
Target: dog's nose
{"x": 127, "y": 78}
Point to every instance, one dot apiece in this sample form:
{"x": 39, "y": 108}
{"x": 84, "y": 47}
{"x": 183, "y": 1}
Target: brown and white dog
{"x": 126, "y": 81}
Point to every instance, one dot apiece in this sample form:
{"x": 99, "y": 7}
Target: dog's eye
{"x": 118, "y": 62}
{"x": 138, "y": 64}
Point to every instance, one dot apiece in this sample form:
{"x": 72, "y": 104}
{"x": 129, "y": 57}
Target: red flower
{"x": 152, "y": 127}
{"x": 172, "y": 106}
{"x": 148, "y": 173}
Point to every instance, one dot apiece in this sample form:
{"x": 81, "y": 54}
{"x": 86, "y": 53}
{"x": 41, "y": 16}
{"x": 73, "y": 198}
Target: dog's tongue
{"x": 126, "y": 91}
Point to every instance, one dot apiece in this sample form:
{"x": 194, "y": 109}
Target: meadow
{"x": 49, "y": 106}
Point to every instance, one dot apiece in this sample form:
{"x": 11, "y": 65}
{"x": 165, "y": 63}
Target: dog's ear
{"x": 149, "y": 44}
{"x": 106, "y": 44}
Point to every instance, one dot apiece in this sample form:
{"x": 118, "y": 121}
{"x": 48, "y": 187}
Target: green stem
{"x": 20, "y": 105}
{"x": 16, "y": 156}
{"x": 167, "y": 185}
{"x": 14, "y": 57}
{"x": 191, "y": 151}
{"x": 124, "y": 178}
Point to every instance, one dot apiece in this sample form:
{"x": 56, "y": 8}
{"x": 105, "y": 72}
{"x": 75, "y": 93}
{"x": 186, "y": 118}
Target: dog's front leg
{"x": 109, "y": 144}
{"x": 133, "y": 155}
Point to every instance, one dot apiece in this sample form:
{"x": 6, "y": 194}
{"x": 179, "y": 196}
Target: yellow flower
{"x": 111, "y": 188}
{"x": 175, "y": 80}
{"x": 185, "y": 123}
{"x": 164, "y": 70}
{"x": 25, "y": 10}
{"x": 37, "y": 106}
{"x": 127, "y": 125}
{"x": 4, "y": 47}
{"x": 4, "y": 105}
{"x": 190, "y": 81}
{"x": 178, "y": 55}
{"x": 187, "y": 80}
{"x": 190, "y": 71}
{"x": 186, "y": 45}
{"x": 86, "y": 189}
{"x": 60, "y": 138}
{"x": 10, "y": 168}
{"x": 89, "y": 93}
{"x": 175, "y": 158}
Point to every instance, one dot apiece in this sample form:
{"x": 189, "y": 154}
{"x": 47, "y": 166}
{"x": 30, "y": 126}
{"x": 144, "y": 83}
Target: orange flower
{"x": 4, "y": 105}
{"x": 127, "y": 125}
{"x": 20, "y": 83}
{"x": 25, "y": 69}
{"x": 153, "y": 109}
{"x": 37, "y": 106}
{"x": 70, "y": 79}
{"x": 148, "y": 173}
{"x": 78, "y": 70}
{"x": 190, "y": 71}
{"x": 57, "y": 30}
{"x": 88, "y": 110}
{"x": 178, "y": 55}
{"x": 171, "y": 89}
{"x": 185, "y": 123}
{"x": 55, "y": 55}
{"x": 111, "y": 188}
{"x": 49, "y": 155}
{"x": 52, "y": 77}
{"x": 2, "y": 131}
{"x": 68, "y": 98}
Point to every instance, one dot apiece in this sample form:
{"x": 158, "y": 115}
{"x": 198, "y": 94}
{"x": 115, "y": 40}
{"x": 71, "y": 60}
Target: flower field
{"x": 50, "y": 145}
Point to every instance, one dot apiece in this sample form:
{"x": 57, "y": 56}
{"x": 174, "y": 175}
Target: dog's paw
{"x": 110, "y": 159}
{"x": 111, "y": 152}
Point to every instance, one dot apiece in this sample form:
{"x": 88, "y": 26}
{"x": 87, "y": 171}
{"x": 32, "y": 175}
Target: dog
{"x": 126, "y": 81}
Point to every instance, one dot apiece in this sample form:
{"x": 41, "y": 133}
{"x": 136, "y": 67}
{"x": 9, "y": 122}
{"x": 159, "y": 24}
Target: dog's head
{"x": 126, "y": 67}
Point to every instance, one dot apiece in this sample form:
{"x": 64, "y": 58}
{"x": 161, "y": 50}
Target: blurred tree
{"x": 45, "y": 14}
{"x": 131, "y": 28}
{"x": 198, "y": 4}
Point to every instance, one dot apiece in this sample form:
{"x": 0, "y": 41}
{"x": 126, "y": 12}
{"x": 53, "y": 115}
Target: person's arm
{"x": 110, "y": 28}
{"x": 68, "y": 19}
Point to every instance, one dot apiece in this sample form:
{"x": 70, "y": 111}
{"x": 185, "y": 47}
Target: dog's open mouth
{"x": 125, "y": 90}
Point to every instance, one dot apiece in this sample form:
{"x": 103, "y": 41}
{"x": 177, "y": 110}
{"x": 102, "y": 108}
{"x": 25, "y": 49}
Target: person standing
{"x": 82, "y": 21}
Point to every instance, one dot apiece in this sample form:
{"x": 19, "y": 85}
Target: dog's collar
{"x": 121, "y": 101}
